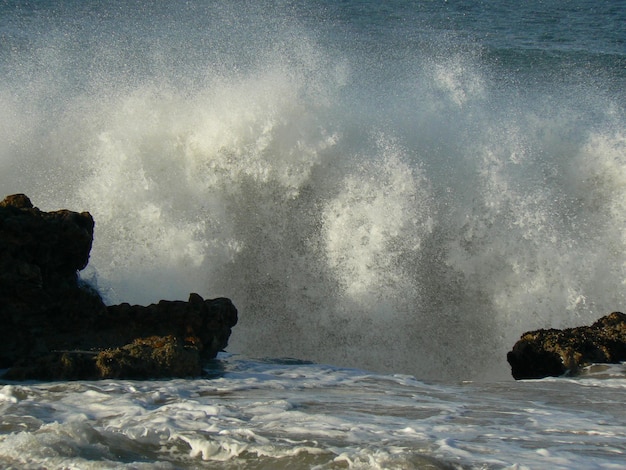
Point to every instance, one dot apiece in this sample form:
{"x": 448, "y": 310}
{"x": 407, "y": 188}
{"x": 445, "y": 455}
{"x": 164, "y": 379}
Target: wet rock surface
{"x": 552, "y": 352}
{"x": 54, "y": 327}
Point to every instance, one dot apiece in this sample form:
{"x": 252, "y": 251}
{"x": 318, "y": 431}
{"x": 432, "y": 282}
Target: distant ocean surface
{"x": 397, "y": 189}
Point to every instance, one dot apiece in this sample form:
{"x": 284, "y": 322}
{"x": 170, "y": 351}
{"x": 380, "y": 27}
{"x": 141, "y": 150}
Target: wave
{"x": 408, "y": 210}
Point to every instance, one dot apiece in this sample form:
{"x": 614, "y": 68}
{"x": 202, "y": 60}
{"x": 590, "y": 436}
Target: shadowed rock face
{"x": 51, "y": 327}
{"x": 40, "y": 248}
{"x": 544, "y": 353}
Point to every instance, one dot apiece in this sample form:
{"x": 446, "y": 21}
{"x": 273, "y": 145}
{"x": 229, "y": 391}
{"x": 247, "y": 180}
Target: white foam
{"x": 311, "y": 415}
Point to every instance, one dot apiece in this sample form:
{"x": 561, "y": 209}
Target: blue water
{"x": 400, "y": 187}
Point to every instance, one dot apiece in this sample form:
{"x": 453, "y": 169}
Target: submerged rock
{"x": 544, "y": 353}
{"x": 52, "y": 327}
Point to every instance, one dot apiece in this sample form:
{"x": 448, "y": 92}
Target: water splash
{"x": 411, "y": 213}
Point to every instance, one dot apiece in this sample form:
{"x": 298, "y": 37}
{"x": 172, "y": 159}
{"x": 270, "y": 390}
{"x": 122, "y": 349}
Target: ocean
{"x": 391, "y": 193}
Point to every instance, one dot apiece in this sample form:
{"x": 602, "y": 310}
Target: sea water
{"x": 397, "y": 187}
{"x": 270, "y": 414}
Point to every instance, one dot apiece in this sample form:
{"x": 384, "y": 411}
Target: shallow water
{"x": 292, "y": 414}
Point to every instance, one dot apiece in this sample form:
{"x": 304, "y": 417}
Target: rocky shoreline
{"x": 53, "y": 327}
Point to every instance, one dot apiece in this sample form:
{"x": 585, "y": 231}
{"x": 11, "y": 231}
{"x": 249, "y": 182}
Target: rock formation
{"x": 54, "y": 327}
{"x": 552, "y": 352}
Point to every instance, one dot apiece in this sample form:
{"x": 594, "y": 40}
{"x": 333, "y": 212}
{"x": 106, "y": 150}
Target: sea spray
{"x": 400, "y": 203}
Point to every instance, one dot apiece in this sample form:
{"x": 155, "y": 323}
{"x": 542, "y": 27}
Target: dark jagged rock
{"x": 544, "y": 353}
{"x": 42, "y": 247}
{"x": 205, "y": 323}
{"x": 52, "y": 327}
